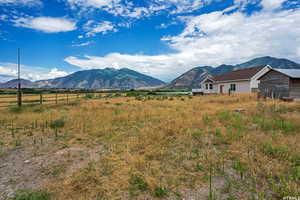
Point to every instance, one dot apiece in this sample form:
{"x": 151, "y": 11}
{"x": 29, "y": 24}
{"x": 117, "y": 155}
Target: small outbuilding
{"x": 280, "y": 83}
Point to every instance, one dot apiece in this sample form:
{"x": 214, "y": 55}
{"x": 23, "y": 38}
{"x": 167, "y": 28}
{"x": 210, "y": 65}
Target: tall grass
{"x": 157, "y": 147}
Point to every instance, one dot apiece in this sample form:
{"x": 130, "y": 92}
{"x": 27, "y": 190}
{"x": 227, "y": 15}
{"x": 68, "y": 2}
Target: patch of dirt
{"x": 31, "y": 168}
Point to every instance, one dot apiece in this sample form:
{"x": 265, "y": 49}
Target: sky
{"x": 160, "y": 38}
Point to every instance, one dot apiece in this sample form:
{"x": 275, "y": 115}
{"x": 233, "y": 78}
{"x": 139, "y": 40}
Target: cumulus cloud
{"x": 272, "y": 4}
{"x": 46, "y": 24}
{"x": 92, "y": 28}
{"x": 32, "y": 73}
{"x": 213, "y": 39}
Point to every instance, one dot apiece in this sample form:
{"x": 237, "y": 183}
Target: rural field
{"x": 151, "y": 147}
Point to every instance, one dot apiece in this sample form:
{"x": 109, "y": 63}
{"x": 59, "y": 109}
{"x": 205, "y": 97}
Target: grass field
{"x": 152, "y": 147}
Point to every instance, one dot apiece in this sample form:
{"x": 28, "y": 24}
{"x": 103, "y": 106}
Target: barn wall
{"x": 274, "y": 84}
{"x": 295, "y": 88}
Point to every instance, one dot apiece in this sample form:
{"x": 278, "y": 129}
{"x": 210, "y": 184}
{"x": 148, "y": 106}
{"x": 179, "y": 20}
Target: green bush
{"x": 59, "y": 123}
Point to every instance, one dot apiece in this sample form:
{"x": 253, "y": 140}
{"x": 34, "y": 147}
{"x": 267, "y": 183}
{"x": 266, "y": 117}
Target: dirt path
{"x": 29, "y": 168}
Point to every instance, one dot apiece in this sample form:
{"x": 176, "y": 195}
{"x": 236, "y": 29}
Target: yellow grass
{"x": 171, "y": 144}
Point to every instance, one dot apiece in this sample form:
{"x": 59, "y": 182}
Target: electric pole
{"x": 19, "y": 81}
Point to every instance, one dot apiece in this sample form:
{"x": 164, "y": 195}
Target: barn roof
{"x": 293, "y": 73}
{"x": 241, "y": 74}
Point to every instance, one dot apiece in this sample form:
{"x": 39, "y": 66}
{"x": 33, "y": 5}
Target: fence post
{"x": 41, "y": 98}
{"x": 56, "y": 98}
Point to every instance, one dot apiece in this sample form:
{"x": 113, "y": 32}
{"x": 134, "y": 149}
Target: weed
{"x": 239, "y": 167}
{"x": 197, "y": 134}
{"x": 280, "y": 152}
{"x": 231, "y": 197}
{"x": 31, "y": 195}
{"x": 295, "y": 172}
{"x": 15, "y": 109}
{"x": 218, "y": 132}
{"x": 160, "y": 192}
{"x": 138, "y": 182}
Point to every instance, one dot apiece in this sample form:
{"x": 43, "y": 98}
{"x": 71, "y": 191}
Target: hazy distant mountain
{"x": 14, "y": 84}
{"x": 108, "y": 78}
{"x": 191, "y": 78}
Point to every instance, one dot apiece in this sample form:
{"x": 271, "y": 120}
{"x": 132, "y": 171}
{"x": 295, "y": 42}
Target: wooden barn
{"x": 280, "y": 83}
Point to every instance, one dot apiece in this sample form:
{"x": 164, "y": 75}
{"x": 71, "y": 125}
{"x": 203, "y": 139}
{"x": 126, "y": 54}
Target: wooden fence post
{"x": 56, "y": 98}
{"x": 41, "y": 98}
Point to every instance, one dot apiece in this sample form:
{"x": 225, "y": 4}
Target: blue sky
{"x": 161, "y": 38}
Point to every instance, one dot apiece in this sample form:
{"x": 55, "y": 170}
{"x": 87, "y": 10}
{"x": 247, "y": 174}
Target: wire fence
{"x": 7, "y": 100}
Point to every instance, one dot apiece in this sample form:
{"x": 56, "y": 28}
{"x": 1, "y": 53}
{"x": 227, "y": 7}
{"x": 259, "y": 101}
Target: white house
{"x": 238, "y": 81}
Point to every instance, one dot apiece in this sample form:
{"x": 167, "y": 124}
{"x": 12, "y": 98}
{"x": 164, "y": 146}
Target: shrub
{"x": 89, "y": 96}
{"x": 59, "y": 123}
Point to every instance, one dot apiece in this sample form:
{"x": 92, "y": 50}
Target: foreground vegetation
{"x": 148, "y": 147}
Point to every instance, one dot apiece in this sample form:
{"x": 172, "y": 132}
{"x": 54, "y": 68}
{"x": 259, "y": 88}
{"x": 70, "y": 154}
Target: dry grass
{"x": 161, "y": 148}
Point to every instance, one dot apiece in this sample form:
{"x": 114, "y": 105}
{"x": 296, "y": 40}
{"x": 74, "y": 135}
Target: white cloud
{"x": 54, "y": 73}
{"x": 21, "y": 2}
{"x": 129, "y": 9}
{"x": 7, "y": 71}
{"x": 82, "y": 44}
{"x": 93, "y": 28}
{"x": 213, "y": 39}
{"x": 32, "y": 73}
{"x": 46, "y": 24}
{"x": 272, "y": 4}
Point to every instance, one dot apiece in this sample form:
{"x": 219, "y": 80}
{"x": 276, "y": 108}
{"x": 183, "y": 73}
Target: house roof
{"x": 293, "y": 73}
{"x": 241, "y": 74}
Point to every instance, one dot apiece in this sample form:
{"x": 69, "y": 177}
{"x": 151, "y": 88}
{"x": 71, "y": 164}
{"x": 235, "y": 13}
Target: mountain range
{"x": 107, "y": 78}
{"x": 110, "y": 78}
{"x": 191, "y": 79}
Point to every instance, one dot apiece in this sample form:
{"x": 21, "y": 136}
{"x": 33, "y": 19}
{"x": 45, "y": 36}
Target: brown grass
{"x": 171, "y": 145}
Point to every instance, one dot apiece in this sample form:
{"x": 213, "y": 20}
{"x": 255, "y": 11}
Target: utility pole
{"x": 19, "y": 81}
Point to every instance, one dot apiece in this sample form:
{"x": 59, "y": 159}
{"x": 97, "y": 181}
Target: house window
{"x": 210, "y": 86}
{"x": 232, "y": 87}
{"x": 206, "y": 86}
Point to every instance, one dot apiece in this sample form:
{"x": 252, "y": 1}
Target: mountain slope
{"x": 280, "y": 63}
{"x": 14, "y": 84}
{"x": 107, "y": 78}
{"x": 191, "y": 78}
